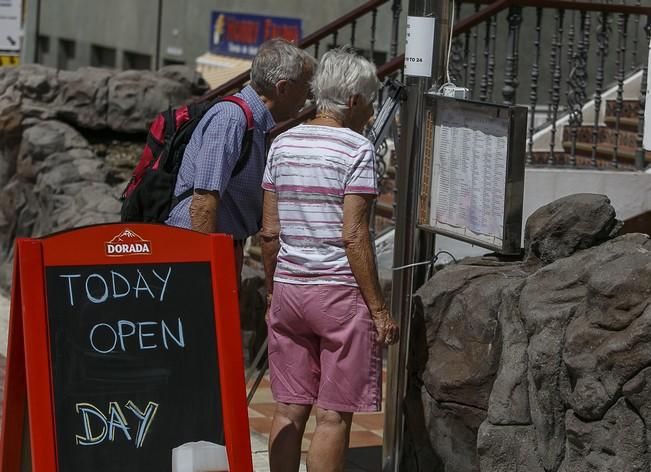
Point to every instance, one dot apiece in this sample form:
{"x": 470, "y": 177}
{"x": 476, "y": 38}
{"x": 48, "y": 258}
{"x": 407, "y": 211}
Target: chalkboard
{"x": 130, "y": 383}
{"x": 124, "y": 344}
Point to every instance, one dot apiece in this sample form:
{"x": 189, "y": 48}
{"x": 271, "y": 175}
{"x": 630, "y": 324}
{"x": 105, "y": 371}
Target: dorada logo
{"x": 128, "y": 243}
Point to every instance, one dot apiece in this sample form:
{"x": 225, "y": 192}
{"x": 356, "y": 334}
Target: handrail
{"x": 397, "y": 62}
{"x": 499, "y": 5}
{"x": 339, "y": 23}
{"x": 584, "y": 6}
{"x": 495, "y": 7}
{"x": 238, "y": 81}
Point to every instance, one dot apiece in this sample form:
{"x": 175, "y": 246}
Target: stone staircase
{"x": 608, "y": 137}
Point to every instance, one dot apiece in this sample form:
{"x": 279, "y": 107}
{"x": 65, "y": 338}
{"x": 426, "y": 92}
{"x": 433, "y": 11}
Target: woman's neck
{"x": 324, "y": 118}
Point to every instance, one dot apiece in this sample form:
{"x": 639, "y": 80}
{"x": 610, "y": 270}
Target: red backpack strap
{"x": 244, "y": 106}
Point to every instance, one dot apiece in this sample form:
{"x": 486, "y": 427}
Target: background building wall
{"x": 124, "y": 33}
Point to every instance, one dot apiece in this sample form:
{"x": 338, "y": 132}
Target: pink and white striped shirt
{"x": 311, "y": 168}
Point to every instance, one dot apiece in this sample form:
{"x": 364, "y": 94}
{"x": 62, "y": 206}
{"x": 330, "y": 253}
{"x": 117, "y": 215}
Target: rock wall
{"x": 542, "y": 365}
{"x": 70, "y": 139}
{"x": 68, "y": 143}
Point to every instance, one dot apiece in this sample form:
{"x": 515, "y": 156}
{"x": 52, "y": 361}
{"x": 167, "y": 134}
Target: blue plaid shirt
{"x": 210, "y": 158}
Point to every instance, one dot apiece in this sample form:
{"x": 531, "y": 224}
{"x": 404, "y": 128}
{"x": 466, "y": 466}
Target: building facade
{"x": 147, "y": 34}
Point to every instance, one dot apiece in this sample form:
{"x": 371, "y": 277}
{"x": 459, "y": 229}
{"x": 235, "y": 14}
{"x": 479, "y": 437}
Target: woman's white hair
{"x": 278, "y": 59}
{"x": 340, "y": 75}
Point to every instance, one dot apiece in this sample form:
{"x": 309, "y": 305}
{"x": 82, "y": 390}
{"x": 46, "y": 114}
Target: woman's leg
{"x": 285, "y": 438}
{"x": 330, "y": 442}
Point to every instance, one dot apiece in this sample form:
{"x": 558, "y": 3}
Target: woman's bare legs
{"x": 285, "y": 438}
{"x": 330, "y": 442}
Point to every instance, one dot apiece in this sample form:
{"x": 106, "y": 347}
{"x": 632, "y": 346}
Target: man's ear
{"x": 282, "y": 87}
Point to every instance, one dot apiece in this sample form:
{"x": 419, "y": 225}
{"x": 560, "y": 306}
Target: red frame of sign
{"x": 28, "y": 379}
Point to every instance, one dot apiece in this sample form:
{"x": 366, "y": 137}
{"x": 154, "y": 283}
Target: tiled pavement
{"x": 365, "y": 435}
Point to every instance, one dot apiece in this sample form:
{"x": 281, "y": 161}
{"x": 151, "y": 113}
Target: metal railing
{"x": 485, "y": 67}
{"x": 592, "y": 47}
{"x": 572, "y": 78}
{"x": 333, "y": 31}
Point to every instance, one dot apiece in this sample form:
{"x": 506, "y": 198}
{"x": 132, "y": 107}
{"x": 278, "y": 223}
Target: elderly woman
{"x": 326, "y": 315}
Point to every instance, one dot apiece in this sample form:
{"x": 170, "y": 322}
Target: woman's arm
{"x": 270, "y": 235}
{"x": 357, "y": 241}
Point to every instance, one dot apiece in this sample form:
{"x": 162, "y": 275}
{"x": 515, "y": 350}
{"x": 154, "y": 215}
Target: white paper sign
{"x": 419, "y": 46}
{"x": 10, "y": 25}
{"x": 647, "y": 111}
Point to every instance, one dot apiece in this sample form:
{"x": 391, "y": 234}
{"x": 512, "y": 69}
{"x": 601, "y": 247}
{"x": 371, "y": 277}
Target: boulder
{"x": 64, "y": 157}
{"x": 38, "y": 86}
{"x": 616, "y": 443}
{"x": 638, "y": 393}
{"x": 569, "y": 224}
{"x": 136, "y": 97}
{"x": 43, "y": 139}
{"x": 551, "y": 353}
{"x": 460, "y": 307}
{"x": 508, "y": 449}
{"x": 188, "y": 78}
{"x": 83, "y": 100}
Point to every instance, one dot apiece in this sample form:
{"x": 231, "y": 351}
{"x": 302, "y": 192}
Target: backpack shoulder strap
{"x": 248, "y": 135}
{"x": 245, "y": 108}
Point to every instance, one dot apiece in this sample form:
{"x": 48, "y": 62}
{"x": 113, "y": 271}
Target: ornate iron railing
{"x": 586, "y": 48}
{"x": 592, "y": 48}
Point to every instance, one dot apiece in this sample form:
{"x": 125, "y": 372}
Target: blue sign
{"x": 235, "y": 34}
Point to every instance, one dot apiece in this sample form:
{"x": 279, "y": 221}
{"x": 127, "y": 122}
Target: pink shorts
{"x": 323, "y": 348}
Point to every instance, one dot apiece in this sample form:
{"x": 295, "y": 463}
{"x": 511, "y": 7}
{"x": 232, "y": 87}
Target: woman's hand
{"x": 387, "y": 330}
{"x": 268, "y": 308}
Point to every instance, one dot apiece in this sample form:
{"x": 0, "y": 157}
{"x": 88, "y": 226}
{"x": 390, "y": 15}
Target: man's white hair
{"x": 340, "y": 75}
{"x": 278, "y": 59}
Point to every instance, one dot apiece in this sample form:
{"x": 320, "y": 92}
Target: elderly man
{"x": 227, "y": 203}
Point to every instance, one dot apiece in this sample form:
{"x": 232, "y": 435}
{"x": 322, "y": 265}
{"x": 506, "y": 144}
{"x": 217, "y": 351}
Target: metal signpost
{"x": 427, "y": 36}
{"x": 647, "y": 112}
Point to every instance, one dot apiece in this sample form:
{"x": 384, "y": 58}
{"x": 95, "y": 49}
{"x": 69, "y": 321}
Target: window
{"x": 101, "y": 56}
{"x": 134, "y": 60}
{"x": 173, "y": 62}
{"x": 67, "y": 54}
{"x": 42, "y": 47}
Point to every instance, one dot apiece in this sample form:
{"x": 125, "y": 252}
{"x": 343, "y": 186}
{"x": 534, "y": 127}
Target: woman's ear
{"x": 352, "y": 101}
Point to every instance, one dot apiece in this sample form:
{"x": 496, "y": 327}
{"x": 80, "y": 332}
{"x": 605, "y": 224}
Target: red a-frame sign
{"x": 124, "y": 345}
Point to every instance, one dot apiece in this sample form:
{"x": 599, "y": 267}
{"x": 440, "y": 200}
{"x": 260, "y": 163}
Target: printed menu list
{"x": 470, "y": 175}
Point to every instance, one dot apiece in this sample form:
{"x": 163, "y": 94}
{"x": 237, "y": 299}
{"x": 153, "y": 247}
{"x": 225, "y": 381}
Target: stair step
{"x": 605, "y": 134}
{"x": 625, "y": 154}
{"x": 630, "y": 108}
{"x": 628, "y": 124}
{"x": 562, "y": 159}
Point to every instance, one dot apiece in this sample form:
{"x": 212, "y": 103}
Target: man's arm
{"x": 218, "y": 155}
{"x": 357, "y": 241}
{"x": 203, "y": 211}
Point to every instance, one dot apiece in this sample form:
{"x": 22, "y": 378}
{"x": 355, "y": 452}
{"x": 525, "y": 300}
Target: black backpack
{"x": 149, "y": 195}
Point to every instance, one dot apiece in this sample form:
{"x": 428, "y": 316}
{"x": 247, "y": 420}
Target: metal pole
{"x": 159, "y": 22}
{"x": 37, "y": 33}
{"x": 406, "y": 249}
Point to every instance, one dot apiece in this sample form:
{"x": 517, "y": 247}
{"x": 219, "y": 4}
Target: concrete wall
{"x": 132, "y": 26}
{"x": 121, "y": 25}
{"x": 629, "y": 193}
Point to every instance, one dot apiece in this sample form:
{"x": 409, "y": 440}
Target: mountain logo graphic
{"x": 128, "y": 243}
